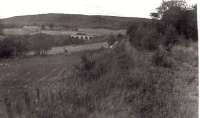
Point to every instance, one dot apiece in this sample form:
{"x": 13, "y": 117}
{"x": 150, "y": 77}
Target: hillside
{"x": 72, "y": 20}
{"x": 121, "y": 82}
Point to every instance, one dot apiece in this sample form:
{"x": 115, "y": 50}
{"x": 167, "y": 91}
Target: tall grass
{"x": 113, "y": 83}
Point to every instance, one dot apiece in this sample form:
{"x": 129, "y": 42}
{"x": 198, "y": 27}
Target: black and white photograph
{"x": 99, "y": 59}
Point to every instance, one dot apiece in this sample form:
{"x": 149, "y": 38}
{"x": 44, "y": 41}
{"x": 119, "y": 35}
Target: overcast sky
{"x": 129, "y": 8}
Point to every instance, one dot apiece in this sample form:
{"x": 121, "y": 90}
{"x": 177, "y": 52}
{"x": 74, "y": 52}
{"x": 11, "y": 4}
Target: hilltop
{"x": 73, "y": 20}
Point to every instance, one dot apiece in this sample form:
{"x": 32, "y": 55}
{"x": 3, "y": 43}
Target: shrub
{"x": 180, "y": 15}
{"x": 145, "y": 38}
{"x": 186, "y": 54}
{"x": 109, "y": 83}
{"x": 153, "y": 94}
{"x": 111, "y": 39}
{"x": 41, "y": 43}
{"x": 151, "y": 39}
{"x": 92, "y": 66}
{"x": 170, "y": 37}
{"x": 22, "y": 45}
{"x": 14, "y": 46}
{"x": 162, "y": 58}
{"x": 7, "y": 49}
{"x": 146, "y": 89}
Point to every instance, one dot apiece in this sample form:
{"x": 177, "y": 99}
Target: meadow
{"x": 102, "y": 83}
{"x": 77, "y": 48}
{"x": 89, "y": 31}
{"x": 28, "y": 72}
{"x": 150, "y": 71}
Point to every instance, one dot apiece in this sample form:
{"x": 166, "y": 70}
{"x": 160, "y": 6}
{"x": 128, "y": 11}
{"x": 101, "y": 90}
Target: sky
{"x": 126, "y": 8}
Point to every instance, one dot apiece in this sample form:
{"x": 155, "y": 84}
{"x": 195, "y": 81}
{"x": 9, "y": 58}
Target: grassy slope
{"x": 25, "y": 72}
{"x": 72, "y": 20}
{"x": 117, "y": 83}
{"x": 21, "y": 74}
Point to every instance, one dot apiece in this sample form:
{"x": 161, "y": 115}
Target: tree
{"x": 1, "y": 28}
{"x": 191, "y": 30}
{"x": 41, "y": 43}
{"x": 167, "y": 5}
{"x": 154, "y": 15}
{"x": 12, "y": 46}
{"x": 111, "y": 39}
{"x": 7, "y": 48}
{"x": 144, "y": 36}
{"x": 178, "y": 14}
{"x": 22, "y": 45}
{"x": 170, "y": 36}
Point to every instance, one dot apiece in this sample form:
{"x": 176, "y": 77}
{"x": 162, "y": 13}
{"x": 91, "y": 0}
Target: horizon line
{"x": 75, "y": 14}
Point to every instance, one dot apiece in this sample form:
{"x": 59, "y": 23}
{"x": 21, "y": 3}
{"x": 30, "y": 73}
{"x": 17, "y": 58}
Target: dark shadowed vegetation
{"x": 19, "y": 45}
{"x": 13, "y": 46}
{"x": 173, "y": 19}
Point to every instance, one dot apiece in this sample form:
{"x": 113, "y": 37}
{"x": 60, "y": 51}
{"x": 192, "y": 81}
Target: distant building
{"x": 82, "y": 36}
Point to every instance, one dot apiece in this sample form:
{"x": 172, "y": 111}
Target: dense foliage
{"x": 12, "y": 46}
{"x": 172, "y": 20}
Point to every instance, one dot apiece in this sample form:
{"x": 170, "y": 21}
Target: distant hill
{"x": 73, "y": 20}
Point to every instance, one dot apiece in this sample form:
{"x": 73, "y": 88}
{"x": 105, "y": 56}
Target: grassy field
{"x": 36, "y": 71}
{"x": 78, "y": 48}
{"x": 102, "y": 31}
{"x": 90, "y": 31}
{"x": 75, "y": 48}
{"x": 120, "y": 82}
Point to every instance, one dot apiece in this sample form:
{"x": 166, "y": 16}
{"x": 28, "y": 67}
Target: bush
{"x": 41, "y": 43}
{"x": 153, "y": 94}
{"x": 186, "y": 54}
{"x": 7, "y": 48}
{"x": 180, "y": 15}
{"x": 105, "y": 83}
{"x": 13, "y": 46}
{"x": 92, "y": 67}
{"x": 145, "y": 37}
{"x": 170, "y": 37}
{"x": 147, "y": 90}
{"x": 151, "y": 40}
{"x": 162, "y": 58}
{"x": 111, "y": 39}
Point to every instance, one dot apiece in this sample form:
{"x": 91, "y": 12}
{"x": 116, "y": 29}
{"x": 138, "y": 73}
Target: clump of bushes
{"x": 144, "y": 36}
{"x": 149, "y": 88}
{"x": 186, "y": 54}
{"x": 172, "y": 20}
{"x": 106, "y": 80}
{"x": 41, "y": 43}
{"x": 13, "y": 46}
{"x": 111, "y": 39}
{"x": 163, "y": 58}
{"x": 7, "y": 49}
{"x": 92, "y": 67}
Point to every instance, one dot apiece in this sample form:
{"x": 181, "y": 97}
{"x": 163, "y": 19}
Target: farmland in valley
{"x": 90, "y": 31}
{"x": 78, "y": 48}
